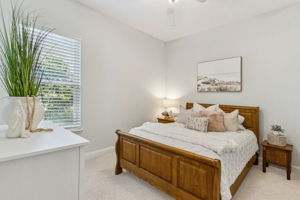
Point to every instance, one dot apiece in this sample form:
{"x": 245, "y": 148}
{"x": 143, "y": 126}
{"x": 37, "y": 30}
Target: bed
{"x": 182, "y": 173}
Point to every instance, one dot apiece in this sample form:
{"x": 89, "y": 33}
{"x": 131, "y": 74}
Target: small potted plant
{"x": 21, "y": 70}
{"x": 277, "y": 136}
{"x": 277, "y": 129}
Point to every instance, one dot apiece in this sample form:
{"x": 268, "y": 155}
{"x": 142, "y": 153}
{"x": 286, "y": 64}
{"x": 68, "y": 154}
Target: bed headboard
{"x": 251, "y": 115}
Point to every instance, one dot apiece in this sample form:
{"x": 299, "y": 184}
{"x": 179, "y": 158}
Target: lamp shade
{"x": 169, "y": 103}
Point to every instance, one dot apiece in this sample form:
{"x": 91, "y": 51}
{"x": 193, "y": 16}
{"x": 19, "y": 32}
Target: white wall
{"x": 122, "y": 69}
{"x": 270, "y": 46}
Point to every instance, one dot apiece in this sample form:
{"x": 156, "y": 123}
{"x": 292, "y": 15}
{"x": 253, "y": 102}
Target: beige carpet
{"x": 102, "y": 184}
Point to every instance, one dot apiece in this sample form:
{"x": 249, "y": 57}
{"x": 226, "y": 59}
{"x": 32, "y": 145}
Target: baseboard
{"x": 295, "y": 168}
{"x": 93, "y": 154}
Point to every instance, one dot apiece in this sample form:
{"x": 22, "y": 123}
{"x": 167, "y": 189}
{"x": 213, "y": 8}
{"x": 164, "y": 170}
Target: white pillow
{"x": 215, "y": 108}
{"x": 194, "y": 112}
{"x": 231, "y": 121}
{"x": 241, "y": 127}
{"x": 183, "y": 114}
{"x": 241, "y": 119}
{"x": 197, "y": 107}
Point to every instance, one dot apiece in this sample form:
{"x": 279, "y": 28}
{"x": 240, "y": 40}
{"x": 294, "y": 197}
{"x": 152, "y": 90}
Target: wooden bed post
{"x": 118, "y": 169}
{"x": 256, "y": 159}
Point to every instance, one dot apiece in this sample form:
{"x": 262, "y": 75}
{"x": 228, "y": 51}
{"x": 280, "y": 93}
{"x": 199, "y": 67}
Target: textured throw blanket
{"x": 219, "y": 145}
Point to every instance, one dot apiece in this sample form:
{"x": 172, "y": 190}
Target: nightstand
{"x": 166, "y": 120}
{"x": 278, "y": 155}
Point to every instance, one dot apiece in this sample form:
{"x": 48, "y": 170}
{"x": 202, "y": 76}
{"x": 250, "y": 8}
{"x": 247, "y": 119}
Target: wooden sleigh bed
{"x": 181, "y": 174}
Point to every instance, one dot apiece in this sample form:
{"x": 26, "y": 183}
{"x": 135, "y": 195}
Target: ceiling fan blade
{"x": 173, "y": 1}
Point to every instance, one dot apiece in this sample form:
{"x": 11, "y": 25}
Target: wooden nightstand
{"x": 279, "y": 155}
{"x": 165, "y": 120}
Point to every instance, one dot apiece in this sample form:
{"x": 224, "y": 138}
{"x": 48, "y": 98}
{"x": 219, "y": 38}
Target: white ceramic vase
{"x": 17, "y": 115}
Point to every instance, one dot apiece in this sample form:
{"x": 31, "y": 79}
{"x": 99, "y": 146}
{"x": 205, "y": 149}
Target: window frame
{"x": 76, "y": 128}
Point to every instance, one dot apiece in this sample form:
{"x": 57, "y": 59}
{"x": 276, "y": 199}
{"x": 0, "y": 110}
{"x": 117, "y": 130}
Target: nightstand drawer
{"x": 276, "y": 157}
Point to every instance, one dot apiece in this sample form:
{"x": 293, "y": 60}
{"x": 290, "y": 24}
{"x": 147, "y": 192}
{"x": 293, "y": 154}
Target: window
{"x": 60, "y": 89}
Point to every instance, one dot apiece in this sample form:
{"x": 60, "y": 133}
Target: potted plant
{"x": 276, "y": 136}
{"x": 21, "y": 69}
{"x": 277, "y": 130}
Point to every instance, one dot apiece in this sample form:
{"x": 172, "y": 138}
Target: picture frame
{"x": 221, "y": 75}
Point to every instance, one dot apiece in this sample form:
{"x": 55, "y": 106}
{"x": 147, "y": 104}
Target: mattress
{"x": 232, "y": 163}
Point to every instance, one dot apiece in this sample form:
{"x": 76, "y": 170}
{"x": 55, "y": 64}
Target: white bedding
{"x": 233, "y": 149}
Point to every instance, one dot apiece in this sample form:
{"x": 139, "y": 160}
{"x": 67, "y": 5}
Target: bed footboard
{"x": 181, "y": 174}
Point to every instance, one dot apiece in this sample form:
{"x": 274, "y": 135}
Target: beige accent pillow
{"x": 214, "y": 108}
{"x": 197, "y": 123}
{"x": 231, "y": 121}
{"x": 211, "y": 110}
{"x": 197, "y": 107}
{"x": 215, "y": 120}
{"x": 194, "y": 112}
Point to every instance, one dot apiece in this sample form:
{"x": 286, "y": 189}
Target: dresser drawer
{"x": 276, "y": 157}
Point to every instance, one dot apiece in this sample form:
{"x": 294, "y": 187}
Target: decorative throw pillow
{"x": 232, "y": 115}
{"x": 241, "y": 119}
{"x": 197, "y": 107}
{"x": 197, "y": 123}
{"x": 210, "y": 109}
{"x": 183, "y": 114}
{"x": 194, "y": 112}
{"x": 215, "y": 120}
{"x": 213, "y": 108}
{"x": 231, "y": 121}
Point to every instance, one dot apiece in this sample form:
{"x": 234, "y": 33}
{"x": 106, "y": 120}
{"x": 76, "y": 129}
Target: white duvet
{"x": 233, "y": 149}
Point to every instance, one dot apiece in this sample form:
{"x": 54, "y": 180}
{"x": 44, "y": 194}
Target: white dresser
{"x": 47, "y": 166}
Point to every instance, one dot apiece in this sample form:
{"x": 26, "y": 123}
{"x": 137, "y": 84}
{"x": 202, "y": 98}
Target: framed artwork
{"x": 224, "y": 75}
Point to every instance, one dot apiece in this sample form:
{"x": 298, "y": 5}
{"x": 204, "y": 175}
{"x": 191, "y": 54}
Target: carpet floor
{"x": 102, "y": 184}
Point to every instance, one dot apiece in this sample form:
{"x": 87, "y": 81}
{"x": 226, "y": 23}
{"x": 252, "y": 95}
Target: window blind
{"x": 60, "y": 89}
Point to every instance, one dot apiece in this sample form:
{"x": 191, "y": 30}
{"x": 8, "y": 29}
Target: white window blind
{"x": 60, "y": 89}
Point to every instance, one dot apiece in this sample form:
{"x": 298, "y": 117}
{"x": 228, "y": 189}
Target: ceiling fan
{"x": 171, "y": 11}
{"x": 175, "y": 1}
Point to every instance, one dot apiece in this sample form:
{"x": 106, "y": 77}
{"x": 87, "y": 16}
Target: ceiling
{"x": 189, "y": 16}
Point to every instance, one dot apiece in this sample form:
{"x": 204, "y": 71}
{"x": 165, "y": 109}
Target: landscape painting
{"x": 220, "y": 75}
